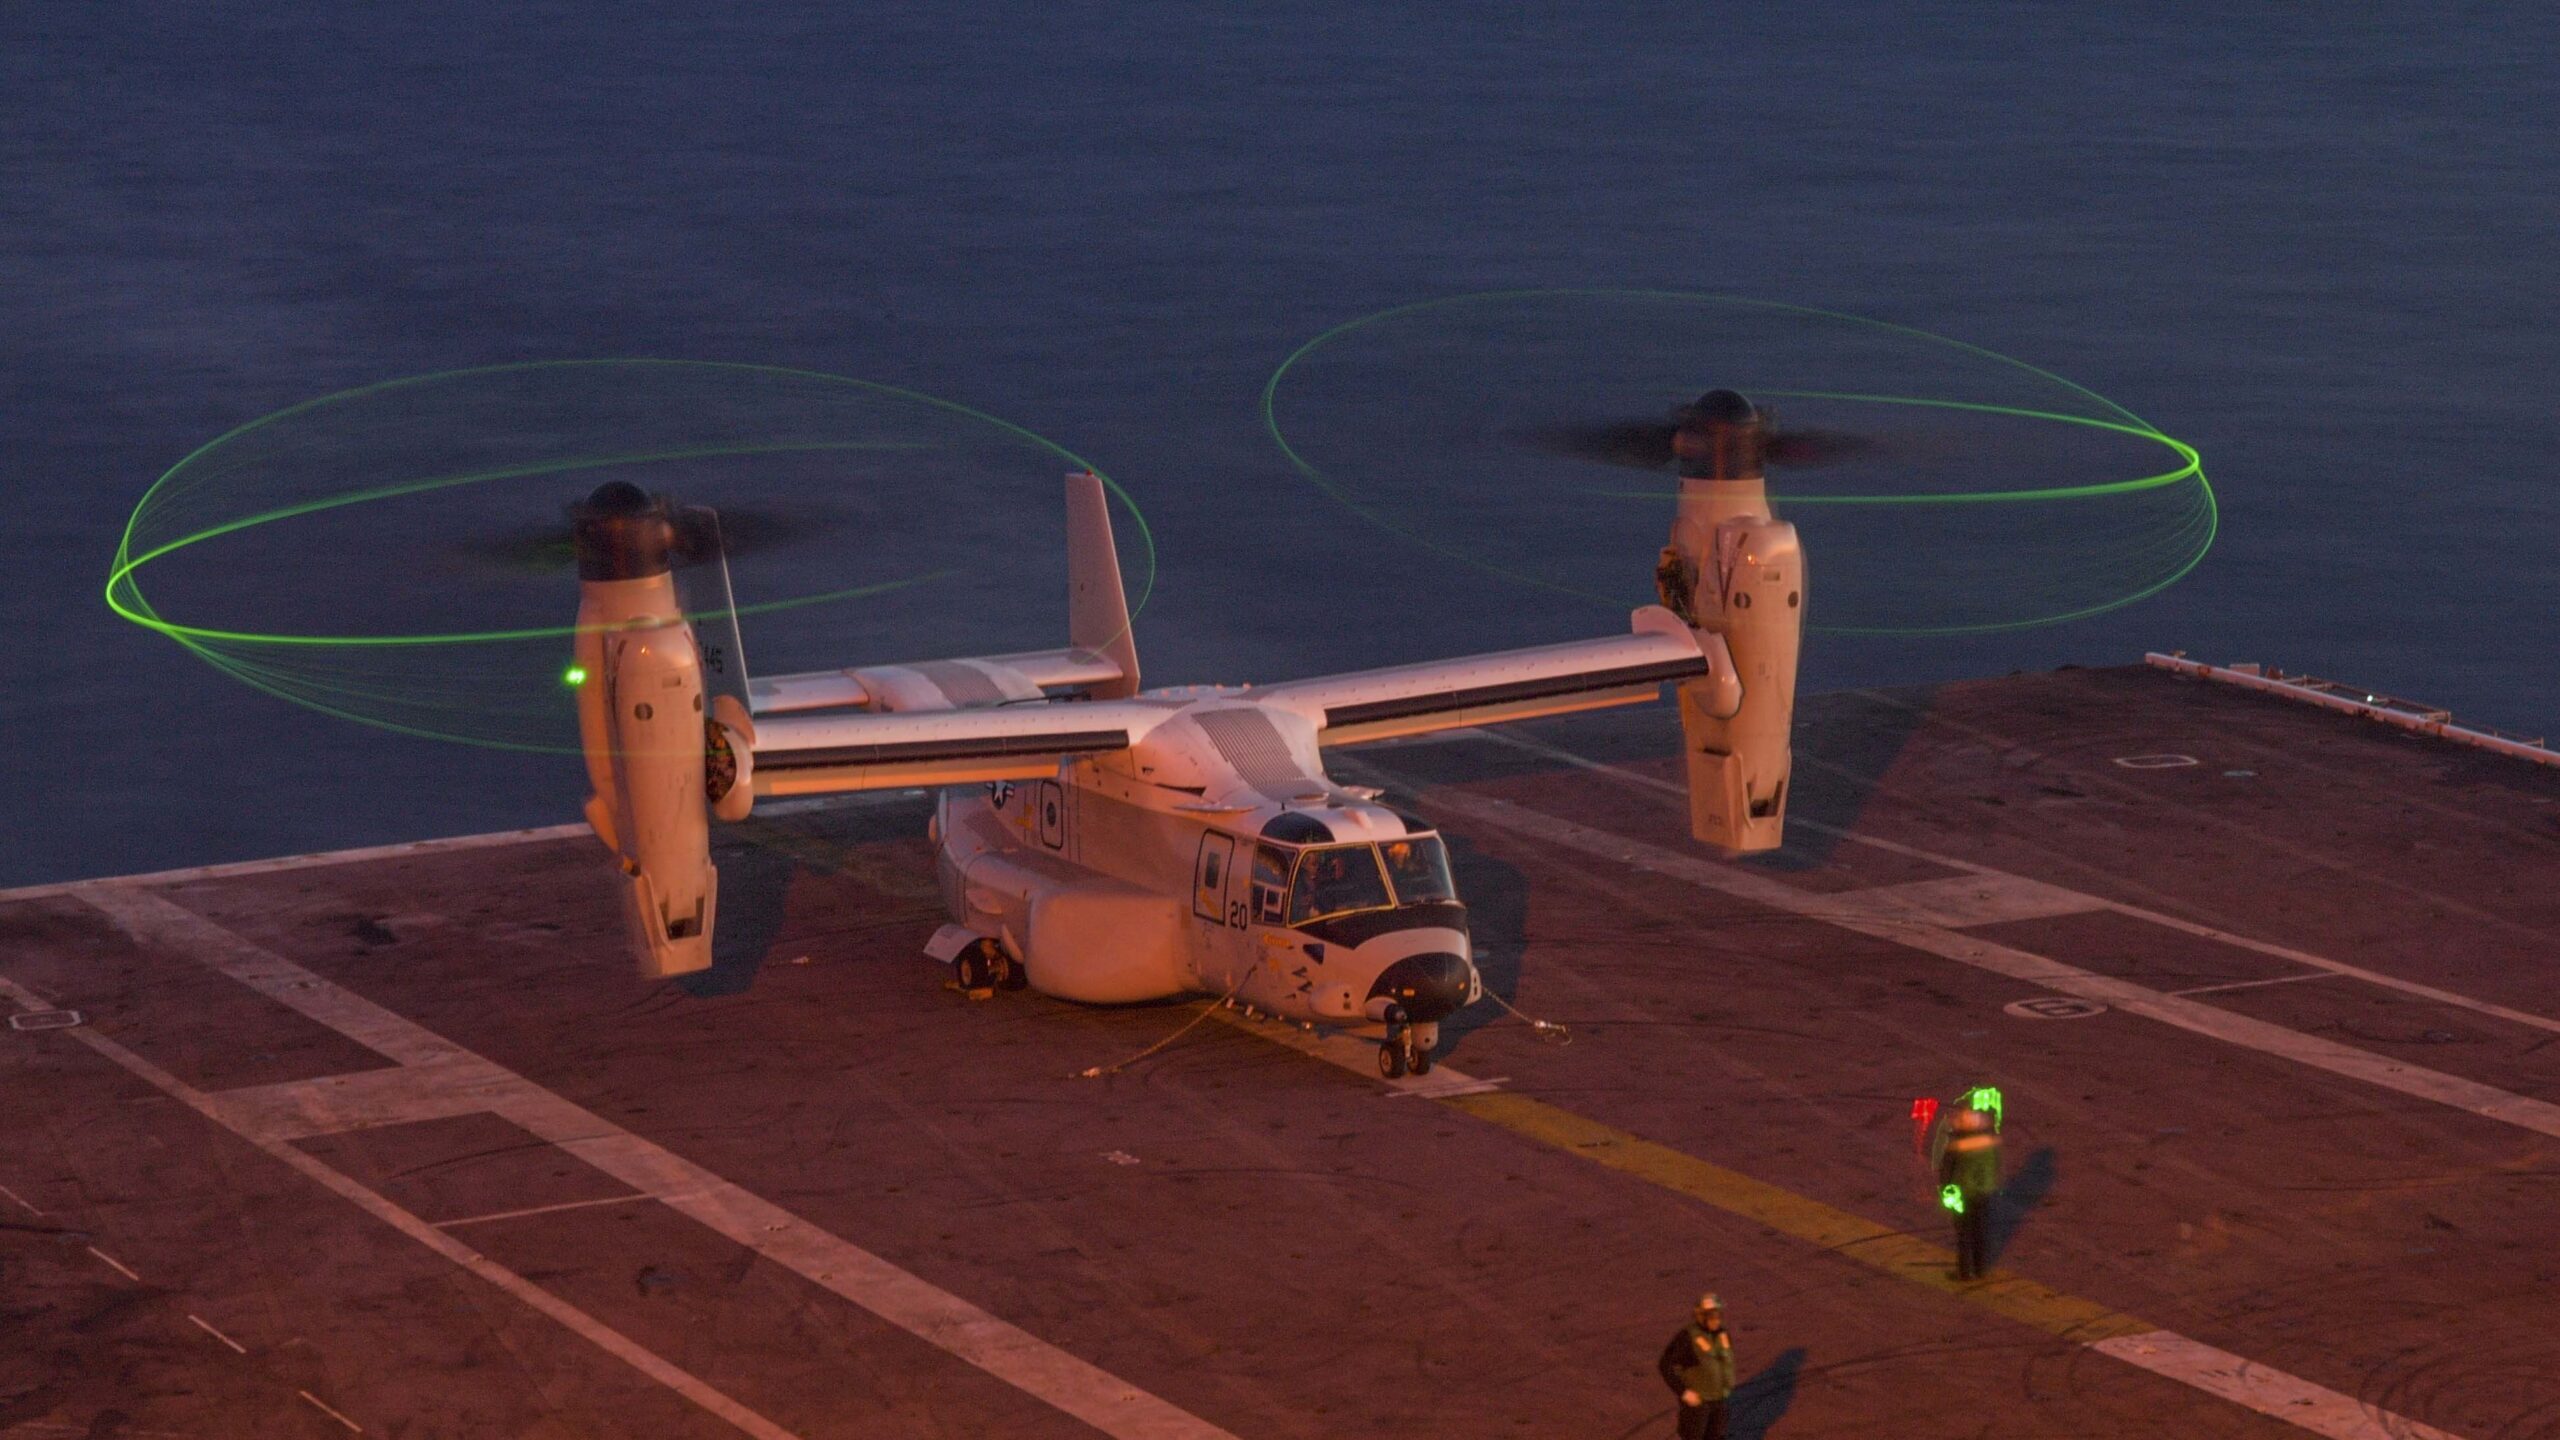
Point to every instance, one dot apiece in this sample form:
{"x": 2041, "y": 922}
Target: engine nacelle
{"x": 645, "y": 752}
{"x": 646, "y": 738}
{"x": 1742, "y": 572}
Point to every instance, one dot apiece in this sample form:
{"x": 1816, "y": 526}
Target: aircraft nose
{"x": 1429, "y": 987}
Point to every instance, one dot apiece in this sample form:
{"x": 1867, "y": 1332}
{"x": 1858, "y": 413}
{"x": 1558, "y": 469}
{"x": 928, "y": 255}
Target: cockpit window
{"x": 1270, "y": 883}
{"x": 1419, "y": 866}
{"x": 1334, "y": 878}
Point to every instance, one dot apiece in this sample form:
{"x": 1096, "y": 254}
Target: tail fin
{"x": 1097, "y": 606}
{"x": 712, "y": 607}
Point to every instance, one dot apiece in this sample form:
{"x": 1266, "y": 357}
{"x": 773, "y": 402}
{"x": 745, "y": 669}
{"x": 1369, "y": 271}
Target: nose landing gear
{"x": 1408, "y": 1047}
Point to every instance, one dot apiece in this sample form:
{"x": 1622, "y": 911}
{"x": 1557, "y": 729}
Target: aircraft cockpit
{"x": 1299, "y": 884}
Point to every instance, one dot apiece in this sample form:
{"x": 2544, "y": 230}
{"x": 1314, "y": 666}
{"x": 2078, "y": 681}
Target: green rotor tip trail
{"x": 513, "y": 423}
{"x": 2184, "y": 550}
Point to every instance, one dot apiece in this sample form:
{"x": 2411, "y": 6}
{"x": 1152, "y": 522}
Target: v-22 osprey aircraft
{"x": 1107, "y": 844}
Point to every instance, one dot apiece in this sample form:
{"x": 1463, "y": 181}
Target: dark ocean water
{"x": 2318, "y": 244}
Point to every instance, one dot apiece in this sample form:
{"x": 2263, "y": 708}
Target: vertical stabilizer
{"x": 712, "y": 608}
{"x": 1097, "y": 606}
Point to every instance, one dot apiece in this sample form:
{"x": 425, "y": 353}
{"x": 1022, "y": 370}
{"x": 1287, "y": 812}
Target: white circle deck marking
{"x": 2053, "y": 1007}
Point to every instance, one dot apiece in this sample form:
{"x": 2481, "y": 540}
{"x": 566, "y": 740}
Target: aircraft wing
{"x": 826, "y": 754}
{"x": 933, "y": 684}
{"x": 1506, "y": 685}
{"x": 1100, "y": 659}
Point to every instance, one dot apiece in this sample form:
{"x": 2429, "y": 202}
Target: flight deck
{"x": 392, "y": 1143}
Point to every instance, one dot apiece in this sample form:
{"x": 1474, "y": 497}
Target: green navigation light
{"x": 1951, "y": 1197}
{"x": 1985, "y": 1098}
{"x": 574, "y": 676}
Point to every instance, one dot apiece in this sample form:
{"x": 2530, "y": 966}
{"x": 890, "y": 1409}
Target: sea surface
{"x": 2321, "y": 244}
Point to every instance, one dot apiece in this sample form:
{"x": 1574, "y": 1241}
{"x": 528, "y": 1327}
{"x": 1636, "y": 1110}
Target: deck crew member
{"x": 1968, "y": 1176}
{"x": 1698, "y": 1366}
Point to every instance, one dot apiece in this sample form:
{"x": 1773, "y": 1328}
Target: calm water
{"x": 2320, "y": 248}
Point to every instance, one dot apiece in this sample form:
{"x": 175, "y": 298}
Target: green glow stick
{"x": 1985, "y": 1098}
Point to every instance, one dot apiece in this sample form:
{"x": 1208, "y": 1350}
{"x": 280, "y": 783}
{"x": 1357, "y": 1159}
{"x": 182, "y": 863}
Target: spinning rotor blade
{"x": 531, "y": 549}
{"x": 1636, "y": 444}
{"x": 740, "y": 530}
{"x": 1653, "y": 444}
{"x": 1804, "y": 449}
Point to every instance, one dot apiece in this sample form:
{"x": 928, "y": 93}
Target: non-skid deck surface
{"x": 396, "y": 1144}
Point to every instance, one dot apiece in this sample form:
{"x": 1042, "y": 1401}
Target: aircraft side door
{"x": 1218, "y": 909}
{"x": 1211, "y": 877}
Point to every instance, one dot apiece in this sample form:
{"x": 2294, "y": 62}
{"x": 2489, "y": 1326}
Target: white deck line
{"x": 2095, "y": 902}
{"x": 2294, "y": 979}
{"x": 325, "y": 1409}
{"x": 407, "y": 848}
{"x": 496, "y": 1215}
{"x": 207, "y": 1327}
{"x": 2166, "y": 1353}
{"x": 2046, "y": 973}
{"x": 604, "y": 1337}
{"x": 2162, "y": 918}
{"x": 2268, "y": 1391}
{"x": 2022, "y": 753}
{"x": 302, "y": 862}
{"x": 440, "y": 1069}
{"x": 2262, "y": 1388}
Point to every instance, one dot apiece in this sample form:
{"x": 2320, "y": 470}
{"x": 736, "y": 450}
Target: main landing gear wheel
{"x": 986, "y": 967}
{"x": 1403, "y": 1052}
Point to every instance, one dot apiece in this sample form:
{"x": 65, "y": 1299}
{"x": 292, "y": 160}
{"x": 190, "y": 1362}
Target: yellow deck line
{"x": 1852, "y": 1237}
{"x": 2137, "y": 1342}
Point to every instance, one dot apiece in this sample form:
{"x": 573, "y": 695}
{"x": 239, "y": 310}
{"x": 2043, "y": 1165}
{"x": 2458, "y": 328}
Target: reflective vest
{"x": 1699, "y": 1359}
{"x": 1971, "y": 1163}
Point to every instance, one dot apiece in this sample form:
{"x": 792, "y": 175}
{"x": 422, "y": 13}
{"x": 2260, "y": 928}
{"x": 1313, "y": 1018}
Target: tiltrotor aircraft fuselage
{"x": 1102, "y": 843}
